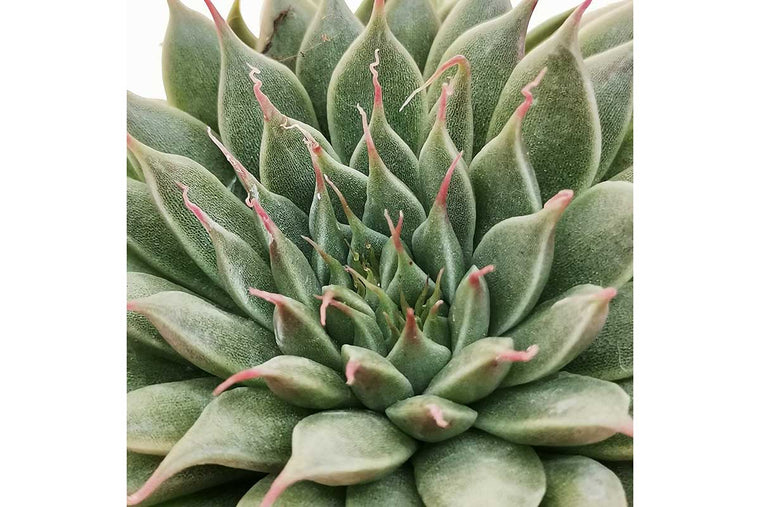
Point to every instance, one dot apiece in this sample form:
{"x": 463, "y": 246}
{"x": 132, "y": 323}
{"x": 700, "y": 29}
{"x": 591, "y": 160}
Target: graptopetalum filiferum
{"x": 404, "y": 238}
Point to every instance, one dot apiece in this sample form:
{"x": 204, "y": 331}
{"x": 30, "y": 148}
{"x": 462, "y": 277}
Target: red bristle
{"x": 410, "y": 326}
{"x": 444, "y": 190}
{"x": 607, "y": 294}
{"x": 268, "y": 224}
{"x": 351, "y": 368}
{"x": 560, "y": 201}
{"x": 267, "y": 108}
{"x": 218, "y": 19}
{"x": 279, "y": 485}
{"x": 475, "y": 275}
{"x": 275, "y": 299}
{"x": 446, "y": 91}
{"x": 518, "y": 356}
{"x": 437, "y": 414}
{"x": 194, "y": 208}
{"x": 375, "y": 81}
{"x": 454, "y": 60}
{"x": 522, "y": 109}
{"x": 578, "y": 13}
{"x": 132, "y": 306}
{"x": 246, "y": 178}
{"x": 371, "y": 150}
{"x": 240, "y": 376}
{"x": 326, "y": 300}
{"x": 395, "y": 230}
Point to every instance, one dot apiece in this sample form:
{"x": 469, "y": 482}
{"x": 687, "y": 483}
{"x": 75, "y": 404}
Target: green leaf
{"x": 364, "y": 10}
{"x": 363, "y": 330}
{"x": 340, "y": 448}
{"x": 191, "y": 62}
{"x": 283, "y": 25}
{"x": 373, "y": 378}
{"x": 241, "y": 123}
{"x": 141, "y": 466}
{"x": 561, "y": 410}
{"x": 624, "y": 175}
{"x": 350, "y": 85}
{"x": 612, "y": 75}
{"x": 414, "y": 23}
{"x": 298, "y": 381}
{"x": 436, "y": 326}
{"x": 503, "y": 179}
{"x": 323, "y": 228}
{"x": 477, "y": 370}
{"x": 624, "y": 159}
{"x": 416, "y": 356}
{"x": 398, "y": 488}
{"x": 145, "y": 369}
{"x": 158, "y": 415}
{"x": 521, "y": 250}
{"x": 493, "y": 49}
{"x": 613, "y": 28}
{"x": 624, "y": 472}
{"x": 298, "y": 332}
{"x": 352, "y": 183}
{"x": 478, "y": 469}
{"x": 240, "y": 27}
{"x": 562, "y": 132}
{"x": 238, "y": 265}
{"x": 150, "y": 240}
{"x": 329, "y": 35}
{"x": 464, "y": 15}
{"x": 562, "y": 328}
{"x": 226, "y": 495}
{"x": 395, "y": 153}
{"x": 431, "y": 418}
{"x": 576, "y": 481}
{"x": 610, "y": 355}
{"x": 543, "y": 31}
{"x": 594, "y": 240}
{"x": 304, "y": 493}
{"x": 170, "y": 130}
{"x": 435, "y": 243}
{"x": 471, "y": 309}
{"x": 216, "y": 341}
{"x": 246, "y": 428}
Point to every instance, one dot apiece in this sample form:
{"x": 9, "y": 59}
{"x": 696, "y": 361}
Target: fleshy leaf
{"x": 365, "y": 332}
{"x": 477, "y": 370}
{"x": 226, "y": 495}
{"x": 158, "y": 415}
{"x": 146, "y": 369}
{"x": 398, "y": 488}
{"x": 303, "y": 493}
{"x": 610, "y": 355}
{"x": 471, "y": 309}
{"x": 612, "y": 75}
{"x": 364, "y": 10}
{"x": 611, "y": 29}
{"x": 191, "y": 61}
{"x": 463, "y": 16}
{"x": 543, "y": 31}
{"x": 329, "y": 35}
{"x": 385, "y": 306}
{"x": 436, "y": 156}
{"x": 416, "y": 36}
{"x": 218, "y": 342}
{"x": 373, "y": 378}
{"x": 170, "y": 130}
{"x": 502, "y": 177}
{"x": 416, "y": 356}
{"x": 576, "y": 481}
{"x": 291, "y": 270}
{"x": 395, "y": 153}
{"x": 493, "y": 49}
{"x": 340, "y": 448}
{"x": 298, "y": 381}
{"x": 561, "y": 410}
{"x": 246, "y": 428}
{"x": 624, "y": 472}
{"x": 283, "y": 25}
{"x": 521, "y": 250}
{"x": 352, "y": 183}
{"x": 162, "y": 172}
{"x": 241, "y": 122}
{"x": 349, "y": 86}
{"x": 436, "y": 245}
{"x": 336, "y": 272}
{"x": 624, "y": 175}
{"x": 436, "y": 326}
{"x": 408, "y": 280}
{"x": 479, "y": 469}
{"x": 240, "y": 27}
{"x": 238, "y": 265}
{"x": 298, "y": 332}
{"x": 594, "y": 240}
{"x": 562, "y": 132}
{"x": 430, "y": 418}
{"x": 624, "y": 159}
{"x": 562, "y": 328}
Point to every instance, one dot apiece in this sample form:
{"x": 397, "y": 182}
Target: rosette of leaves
{"x": 383, "y": 258}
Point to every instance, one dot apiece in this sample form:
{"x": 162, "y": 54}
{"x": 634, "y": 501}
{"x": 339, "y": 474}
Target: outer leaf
{"x": 543, "y": 31}
{"x": 594, "y": 240}
{"x": 398, "y": 488}
{"x": 364, "y": 10}
{"x": 430, "y": 418}
{"x": 575, "y": 481}
{"x": 158, "y": 415}
{"x": 340, "y": 448}
{"x": 283, "y": 25}
{"x": 478, "y": 469}
{"x": 240, "y": 121}
{"x": 610, "y": 355}
{"x": 240, "y": 27}
{"x": 191, "y": 61}
{"x": 463, "y": 16}
{"x": 624, "y": 175}
{"x": 562, "y": 410}
{"x": 374, "y": 379}
{"x": 246, "y": 428}
{"x": 227, "y": 495}
{"x": 521, "y": 250}
{"x": 562, "y": 133}
{"x": 349, "y": 86}
{"x": 624, "y": 159}
{"x": 624, "y": 471}
{"x": 170, "y": 130}
{"x": 145, "y": 369}
{"x": 416, "y": 36}
{"x": 329, "y": 35}
{"x": 216, "y": 341}
{"x": 323, "y": 227}
{"x": 303, "y": 493}
{"x": 352, "y": 183}
{"x": 611, "y": 29}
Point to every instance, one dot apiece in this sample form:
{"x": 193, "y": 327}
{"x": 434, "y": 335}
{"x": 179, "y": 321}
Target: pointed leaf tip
{"x": 194, "y": 208}
{"x": 219, "y": 21}
{"x": 446, "y": 90}
{"x": 375, "y": 80}
{"x": 627, "y": 427}
{"x": 268, "y": 224}
{"x": 560, "y": 201}
{"x": 371, "y": 150}
{"x": 395, "y": 230}
{"x": 411, "y": 324}
{"x": 351, "y": 368}
{"x": 132, "y": 306}
{"x": 578, "y": 13}
{"x": 475, "y": 275}
{"x": 267, "y": 108}
{"x": 522, "y": 109}
{"x": 327, "y": 298}
{"x": 444, "y": 190}
{"x": 275, "y": 299}
{"x": 243, "y": 174}
{"x": 437, "y": 414}
{"x": 518, "y": 356}
{"x": 454, "y": 60}
{"x": 607, "y": 294}
{"x": 240, "y": 376}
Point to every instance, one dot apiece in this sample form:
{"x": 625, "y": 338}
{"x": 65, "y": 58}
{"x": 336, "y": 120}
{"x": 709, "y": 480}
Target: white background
{"x": 62, "y": 250}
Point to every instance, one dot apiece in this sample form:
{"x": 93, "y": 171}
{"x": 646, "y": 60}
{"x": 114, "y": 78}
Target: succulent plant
{"x": 383, "y": 258}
